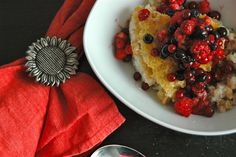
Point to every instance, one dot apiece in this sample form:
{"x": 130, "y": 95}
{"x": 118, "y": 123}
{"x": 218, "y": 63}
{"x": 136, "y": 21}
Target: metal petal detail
{"x": 51, "y": 61}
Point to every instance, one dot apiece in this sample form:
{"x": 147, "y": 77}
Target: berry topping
{"x": 180, "y": 75}
{"x": 204, "y": 6}
{"x": 216, "y": 34}
{"x": 143, "y": 14}
{"x": 120, "y": 43}
{"x": 192, "y": 5}
{"x": 215, "y": 15}
{"x": 172, "y": 48}
{"x": 120, "y": 54}
{"x": 145, "y": 86}
{"x": 155, "y": 52}
{"x": 128, "y": 49}
{"x": 220, "y": 53}
{"x": 162, "y": 35}
{"x": 176, "y": 18}
{"x": 188, "y": 26}
{"x": 170, "y": 12}
{"x": 201, "y": 51}
{"x": 171, "y": 77}
{"x": 195, "y": 13}
{"x": 209, "y": 28}
{"x": 184, "y": 106}
{"x": 222, "y": 31}
{"x": 186, "y": 14}
{"x": 122, "y": 35}
{"x": 137, "y": 76}
{"x": 211, "y": 39}
{"x": 172, "y": 29}
{"x": 188, "y": 74}
{"x": 148, "y": 38}
{"x": 127, "y": 58}
{"x": 164, "y": 52}
{"x": 180, "y": 94}
{"x": 180, "y": 37}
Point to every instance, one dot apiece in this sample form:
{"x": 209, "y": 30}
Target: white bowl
{"x": 102, "y": 24}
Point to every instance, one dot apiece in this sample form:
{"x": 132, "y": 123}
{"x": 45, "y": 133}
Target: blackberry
{"x": 222, "y": 31}
{"x": 148, "y": 38}
{"x": 215, "y": 15}
{"x": 164, "y": 52}
{"x": 195, "y": 13}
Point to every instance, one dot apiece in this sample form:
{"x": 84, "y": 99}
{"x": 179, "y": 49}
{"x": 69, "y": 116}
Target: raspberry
{"x": 220, "y": 54}
{"x": 121, "y": 35}
{"x": 188, "y": 27}
{"x": 180, "y": 2}
{"x": 128, "y": 49}
{"x": 204, "y": 7}
{"x": 198, "y": 109}
{"x": 163, "y": 8}
{"x": 176, "y": 18}
{"x": 180, "y": 37}
{"x": 186, "y": 14}
{"x": 196, "y": 65}
{"x": 198, "y": 88}
{"x": 175, "y": 6}
{"x": 161, "y": 36}
{"x": 120, "y": 43}
{"x": 172, "y": 1}
{"x": 201, "y": 51}
{"x": 184, "y": 106}
{"x": 120, "y": 54}
{"x": 143, "y": 14}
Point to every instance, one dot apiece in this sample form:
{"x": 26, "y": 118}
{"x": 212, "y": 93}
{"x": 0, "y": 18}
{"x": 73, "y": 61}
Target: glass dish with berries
{"x": 182, "y": 56}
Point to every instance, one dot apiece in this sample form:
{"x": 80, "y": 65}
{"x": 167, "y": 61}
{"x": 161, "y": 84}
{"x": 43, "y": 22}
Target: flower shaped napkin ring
{"x": 52, "y": 60}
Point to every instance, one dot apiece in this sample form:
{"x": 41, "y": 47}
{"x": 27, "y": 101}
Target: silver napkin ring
{"x": 51, "y": 61}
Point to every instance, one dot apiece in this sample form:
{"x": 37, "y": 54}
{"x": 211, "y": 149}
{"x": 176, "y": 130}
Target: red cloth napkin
{"x": 69, "y": 120}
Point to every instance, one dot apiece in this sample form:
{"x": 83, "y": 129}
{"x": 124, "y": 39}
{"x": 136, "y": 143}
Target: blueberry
{"x": 179, "y": 54}
{"x": 128, "y": 58}
{"x": 203, "y": 34}
{"x": 222, "y": 31}
{"x": 216, "y": 34}
{"x": 192, "y": 5}
{"x": 181, "y": 66}
{"x": 195, "y": 13}
{"x": 209, "y": 28}
{"x": 199, "y": 33}
{"x": 180, "y": 75}
{"x": 188, "y": 59}
{"x": 201, "y": 78}
{"x": 173, "y": 41}
{"x": 148, "y": 38}
{"x": 170, "y": 12}
{"x": 172, "y": 29}
{"x": 213, "y": 46}
{"x": 164, "y": 52}
{"x": 215, "y": 15}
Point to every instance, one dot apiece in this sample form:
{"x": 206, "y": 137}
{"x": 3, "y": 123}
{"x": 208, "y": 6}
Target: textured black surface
{"x": 24, "y": 21}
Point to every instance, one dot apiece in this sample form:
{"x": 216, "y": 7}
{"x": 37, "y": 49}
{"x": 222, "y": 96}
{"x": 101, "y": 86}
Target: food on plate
{"x": 182, "y": 50}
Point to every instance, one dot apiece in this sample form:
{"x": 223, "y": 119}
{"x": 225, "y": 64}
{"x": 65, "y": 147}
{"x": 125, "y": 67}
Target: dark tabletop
{"x": 24, "y": 21}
